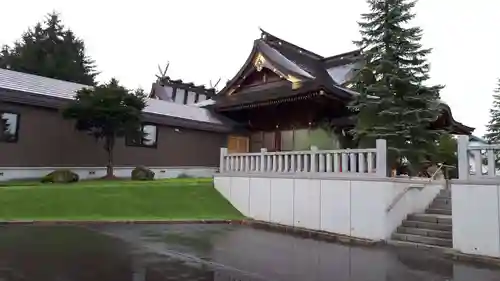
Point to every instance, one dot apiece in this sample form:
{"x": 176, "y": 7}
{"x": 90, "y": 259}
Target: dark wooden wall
{"x": 46, "y": 140}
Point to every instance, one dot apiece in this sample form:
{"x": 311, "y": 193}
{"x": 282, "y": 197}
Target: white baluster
{"x": 345, "y": 163}
{"x": 361, "y": 162}
{"x": 269, "y": 166}
{"x": 328, "y": 162}
{"x": 314, "y": 159}
{"x": 370, "y": 162}
{"x": 286, "y": 163}
{"x": 352, "y": 162}
{"x": 321, "y": 159}
{"x": 306, "y": 163}
{"x": 275, "y": 163}
{"x": 280, "y": 163}
{"x": 336, "y": 162}
{"x": 300, "y": 160}
{"x": 247, "y": 163}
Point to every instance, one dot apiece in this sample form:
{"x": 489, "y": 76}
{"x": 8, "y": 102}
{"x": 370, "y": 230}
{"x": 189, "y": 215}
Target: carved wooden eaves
{"x": 260, "y": 62}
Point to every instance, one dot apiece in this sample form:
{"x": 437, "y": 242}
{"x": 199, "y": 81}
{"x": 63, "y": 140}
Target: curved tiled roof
{"x": 329, "y": 74}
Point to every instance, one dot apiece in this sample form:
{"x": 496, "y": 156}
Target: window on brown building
{"x": 9, "y": 127}
{"x": 149, "y": 137}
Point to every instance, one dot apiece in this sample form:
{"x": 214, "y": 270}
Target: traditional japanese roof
{"x": 304, "y": 73}
{"x": 295, "y": 64}
{"x": 47, "y": 92}
{"x": 459, "y": 128}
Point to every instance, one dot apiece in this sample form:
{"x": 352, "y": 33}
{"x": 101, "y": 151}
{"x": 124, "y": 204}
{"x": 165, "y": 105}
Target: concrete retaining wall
{"x": 357, "y": 207}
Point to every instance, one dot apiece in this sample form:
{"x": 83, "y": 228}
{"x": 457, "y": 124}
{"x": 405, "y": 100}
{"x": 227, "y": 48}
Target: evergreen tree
{"x": 394, "y": 102}
{"x": 493, "y": 127}
{"x": 107, "y": 112}
{"x": 50, "y": 50}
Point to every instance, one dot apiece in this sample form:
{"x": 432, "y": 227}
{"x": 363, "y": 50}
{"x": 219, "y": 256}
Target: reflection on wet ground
{"x": 208, "y": 252}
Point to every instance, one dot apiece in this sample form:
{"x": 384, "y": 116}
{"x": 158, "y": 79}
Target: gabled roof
{"x": 325, "y": 75}
{"x": 42, "y": 91}
{"x": 292, "y": 63}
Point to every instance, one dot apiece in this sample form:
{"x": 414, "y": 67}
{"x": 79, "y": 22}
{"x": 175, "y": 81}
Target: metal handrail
{"x": 419, "y": 187}
{"x": 400, "y": 195}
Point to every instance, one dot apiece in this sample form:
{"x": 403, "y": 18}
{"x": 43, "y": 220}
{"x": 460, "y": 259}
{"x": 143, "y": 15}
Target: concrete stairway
{"x": 432, "y": 228}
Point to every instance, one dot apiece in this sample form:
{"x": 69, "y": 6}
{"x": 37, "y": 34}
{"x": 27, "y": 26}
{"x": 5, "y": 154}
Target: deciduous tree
{"x": 107, "y": 112}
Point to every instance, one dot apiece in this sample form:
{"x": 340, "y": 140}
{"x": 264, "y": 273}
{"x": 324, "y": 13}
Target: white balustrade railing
{"x": 359, "y": 161}
{"x": 476, "y": 160}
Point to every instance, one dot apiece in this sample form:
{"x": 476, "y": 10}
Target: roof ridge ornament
{"x": 214, "y": 86}
{"x": 163, "y": 73}
{"x": 263, "y": 33}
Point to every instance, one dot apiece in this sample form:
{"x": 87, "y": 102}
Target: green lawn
{"x": 175, "y": 199}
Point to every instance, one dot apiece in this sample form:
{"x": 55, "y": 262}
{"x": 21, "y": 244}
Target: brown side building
{"x": 36, "y": 139}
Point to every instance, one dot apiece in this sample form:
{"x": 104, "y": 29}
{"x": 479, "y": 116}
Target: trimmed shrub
{"x": 142, "y": 173}
{"x": 184, "y": 176}
{"x": 61, "y": 176}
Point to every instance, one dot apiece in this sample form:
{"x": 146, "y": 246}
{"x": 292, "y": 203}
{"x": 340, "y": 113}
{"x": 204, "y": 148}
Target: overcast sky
{"x": 205, "y": 40}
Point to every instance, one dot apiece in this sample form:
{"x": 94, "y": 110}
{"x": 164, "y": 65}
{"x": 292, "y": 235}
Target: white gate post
{"x": 463, "y": 157}
{"x": 222, "y": 163}
{"x": 381, "y": 155}
{"x": 263, "y": 160}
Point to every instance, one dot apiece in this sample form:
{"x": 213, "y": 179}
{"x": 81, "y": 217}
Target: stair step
{"x": 438, "y": 205}
{"x": 409, "y": 244}
{"x": 445, "y": 192}
{"x": 423, "y": 239}
{"x": 438, "y": 211}
{"x": 442, "y": 200}
{"x": 434, "y": 218}
{"x": 427, "y": 225}
{"x": 425, "y": 232}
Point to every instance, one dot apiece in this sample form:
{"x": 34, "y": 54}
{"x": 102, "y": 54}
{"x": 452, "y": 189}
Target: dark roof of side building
{"x": 163, "y": 88}
{"x": 47, "y": 92}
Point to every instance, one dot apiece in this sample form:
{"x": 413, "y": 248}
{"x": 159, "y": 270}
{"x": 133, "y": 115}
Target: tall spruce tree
{"x": 394, "y": 101}
{"x": 493, "y": 127}
{"x": 51, "y": 50}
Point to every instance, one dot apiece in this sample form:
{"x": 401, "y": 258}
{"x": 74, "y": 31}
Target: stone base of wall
{"x": 15, "y": 173}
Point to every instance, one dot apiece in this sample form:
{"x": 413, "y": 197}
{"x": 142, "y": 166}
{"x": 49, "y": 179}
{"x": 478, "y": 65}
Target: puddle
{"x": 208, "y": 252}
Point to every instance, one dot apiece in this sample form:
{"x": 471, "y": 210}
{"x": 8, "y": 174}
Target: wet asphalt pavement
{"x": 209, "y": 252}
